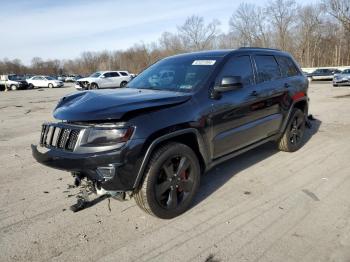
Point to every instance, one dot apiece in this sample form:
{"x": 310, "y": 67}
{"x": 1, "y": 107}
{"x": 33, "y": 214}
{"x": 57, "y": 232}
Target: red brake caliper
{"x": 183, "y": 177}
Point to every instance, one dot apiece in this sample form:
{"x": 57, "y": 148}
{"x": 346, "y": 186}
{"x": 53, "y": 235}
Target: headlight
{"x": 107, "y": 136}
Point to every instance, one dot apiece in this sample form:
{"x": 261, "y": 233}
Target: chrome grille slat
{"x": 59, "y": 136}
{"x": 63, "y": 138}
{"x": 52, "y": 135}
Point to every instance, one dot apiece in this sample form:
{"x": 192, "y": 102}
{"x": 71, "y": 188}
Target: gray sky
{"x": 64, "y": 29}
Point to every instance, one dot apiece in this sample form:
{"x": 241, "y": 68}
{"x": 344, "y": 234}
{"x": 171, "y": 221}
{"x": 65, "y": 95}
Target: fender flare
{"x": 285, "y": 122}
{"x": 163, "y": 138}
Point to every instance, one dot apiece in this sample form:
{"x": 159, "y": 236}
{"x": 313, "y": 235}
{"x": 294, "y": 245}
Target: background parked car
{"x": 44, "y": 81}
{"x": 72, "y": 78}
{"x": 12, "y": 82}
{"x": 104, "y": 79}
{"x": 343, "y": 78}
{"x": 62, "y": 78}
{"x": 322, "y": 74}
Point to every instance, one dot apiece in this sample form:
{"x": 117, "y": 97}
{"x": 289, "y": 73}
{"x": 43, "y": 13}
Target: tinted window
{"x": 107, "y": 75}
{"x": 36, "y": 78}
{"x": 113, "y": 74}
{"x": 123, "y": 73}
{"x": 287, "y": 66}
{"x": 267, "y": 68}
{"x": 238, "y": 66}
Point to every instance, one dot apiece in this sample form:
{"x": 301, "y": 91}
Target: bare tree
{"x": 340, "y": 9}
{"x": 282, "y": 14}
{"x": 249, "y": 23}
{"x": 196, "y": 35}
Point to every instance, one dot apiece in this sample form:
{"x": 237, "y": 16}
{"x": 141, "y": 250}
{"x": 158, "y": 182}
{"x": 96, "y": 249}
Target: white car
{"x": 104, "y": 79}
{"x": 44, "y": 81}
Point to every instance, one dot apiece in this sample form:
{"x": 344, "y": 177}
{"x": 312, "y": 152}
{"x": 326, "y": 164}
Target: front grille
{"x": 62, "y": 137}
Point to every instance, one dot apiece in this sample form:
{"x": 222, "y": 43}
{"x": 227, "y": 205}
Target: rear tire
{"x": 30, "y": 86}
{"x": 123, "y": 84}
{"x": 50, "y": 86}
{"x": 292, "y": 138}
{"x": 172, "y": 178}
{"x": 13, "y": 87}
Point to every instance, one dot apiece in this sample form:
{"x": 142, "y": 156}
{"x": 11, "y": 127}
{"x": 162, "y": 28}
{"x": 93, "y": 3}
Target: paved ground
{"x": 264, "y": 205}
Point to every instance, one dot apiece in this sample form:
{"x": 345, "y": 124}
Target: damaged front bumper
{"x": 112, "y": 170}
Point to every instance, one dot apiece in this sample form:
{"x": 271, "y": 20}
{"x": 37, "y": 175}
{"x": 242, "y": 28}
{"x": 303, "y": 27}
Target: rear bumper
{"x": 125, "y": 166}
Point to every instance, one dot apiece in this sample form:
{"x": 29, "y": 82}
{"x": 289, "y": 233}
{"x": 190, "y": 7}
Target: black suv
{"x": 154, "y": 139}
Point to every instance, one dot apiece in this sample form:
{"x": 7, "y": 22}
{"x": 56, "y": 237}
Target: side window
{"x": 36, "y": 78}
{"x": 106, "y": 75}
{"x": 238, "y": 66}
{"x": 123, "y": 73}
{"x": 114, "y": 74}
{"x": 287, "y": 66}
{"x": 267, "y": 68}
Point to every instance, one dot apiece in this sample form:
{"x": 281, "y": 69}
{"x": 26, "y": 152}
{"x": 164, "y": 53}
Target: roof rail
{"x": 262, "y": 48}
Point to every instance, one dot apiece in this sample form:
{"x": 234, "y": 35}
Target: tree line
{"x": 315, "y": 34}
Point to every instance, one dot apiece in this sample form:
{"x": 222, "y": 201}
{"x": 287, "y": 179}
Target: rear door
{"x": 249, "y": 114}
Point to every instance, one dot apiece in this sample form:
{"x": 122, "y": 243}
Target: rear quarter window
{"x": 123, "y": 73}
{"x": 287, "y": 66}
{"x": 267, "y": 67}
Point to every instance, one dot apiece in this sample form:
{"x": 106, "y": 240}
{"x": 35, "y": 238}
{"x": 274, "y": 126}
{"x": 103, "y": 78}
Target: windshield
{"x": 176, "y": 74}
{"x": 97, "y": 74}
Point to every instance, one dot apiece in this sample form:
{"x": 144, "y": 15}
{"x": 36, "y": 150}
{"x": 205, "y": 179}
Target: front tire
{"x": 93, "y": 86}
{"x": 171, "y": 181}
{"x": 123, "y": 84}
{"x": 292, "y": 138}
{"x": 13, "y": 87}
{"x": 50, "y": 86}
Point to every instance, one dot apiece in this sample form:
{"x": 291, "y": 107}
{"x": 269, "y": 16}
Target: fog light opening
{"x": 107, "y": 173}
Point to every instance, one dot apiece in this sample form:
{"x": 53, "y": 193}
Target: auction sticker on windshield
{"x": 203, "y": 62}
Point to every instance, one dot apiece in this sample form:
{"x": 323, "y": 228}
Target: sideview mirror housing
{"x": 102, "y": 76}
{"x": 228, "y": 83}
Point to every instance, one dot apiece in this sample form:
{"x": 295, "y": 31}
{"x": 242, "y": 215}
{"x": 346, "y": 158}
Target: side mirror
{"x": 228, "y": 83}
{"x": 102, "y": 76}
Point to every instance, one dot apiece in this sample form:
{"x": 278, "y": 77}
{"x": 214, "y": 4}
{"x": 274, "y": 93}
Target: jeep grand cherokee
{"x": 156, "y": 137}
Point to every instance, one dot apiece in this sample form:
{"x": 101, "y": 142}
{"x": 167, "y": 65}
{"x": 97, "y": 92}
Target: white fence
{"x": 311, "y": 69}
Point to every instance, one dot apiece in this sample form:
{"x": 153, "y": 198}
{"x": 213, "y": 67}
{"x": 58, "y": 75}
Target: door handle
{"x": 254, "y": 93}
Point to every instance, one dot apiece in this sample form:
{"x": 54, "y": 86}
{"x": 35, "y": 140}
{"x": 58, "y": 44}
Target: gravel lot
{"x": 264, "y": 205}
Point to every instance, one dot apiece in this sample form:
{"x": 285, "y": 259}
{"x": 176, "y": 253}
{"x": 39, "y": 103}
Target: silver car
{"x": 343, "y": 78}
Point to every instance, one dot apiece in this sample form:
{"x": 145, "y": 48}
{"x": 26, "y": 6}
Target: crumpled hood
{"x": 113, "y": 104}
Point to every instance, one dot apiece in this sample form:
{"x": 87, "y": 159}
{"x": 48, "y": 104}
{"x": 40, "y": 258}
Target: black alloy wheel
{"x": 292, "y": 138}
{"x": 171, "y": 181}
{"x": 174, "y": 182}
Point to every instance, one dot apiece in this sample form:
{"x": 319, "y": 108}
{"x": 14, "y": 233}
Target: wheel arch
{"x": 189, "y": 136}
{"x": 301, "y": 104}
